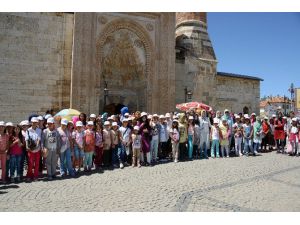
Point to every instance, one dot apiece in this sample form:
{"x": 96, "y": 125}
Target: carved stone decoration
{"x": 138, "y": 43}
{"x": 102, "y": 20}
{"x": 149, "y": 27}
{"x": 121, "y": 58}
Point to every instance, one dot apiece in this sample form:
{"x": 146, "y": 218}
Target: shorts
{"x": 78, "y": 153}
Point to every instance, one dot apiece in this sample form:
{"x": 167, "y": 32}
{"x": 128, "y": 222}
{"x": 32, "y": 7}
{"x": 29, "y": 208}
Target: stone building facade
{"x": 146, "y": 60}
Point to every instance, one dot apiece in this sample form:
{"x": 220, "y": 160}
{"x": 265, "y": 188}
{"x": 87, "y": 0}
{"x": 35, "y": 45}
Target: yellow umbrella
{"x": 67, "y": 113}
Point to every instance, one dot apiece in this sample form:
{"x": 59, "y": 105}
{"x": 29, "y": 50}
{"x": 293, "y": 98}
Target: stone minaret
{"x": 196, "y": 64}
{"x": 192, "y": 36}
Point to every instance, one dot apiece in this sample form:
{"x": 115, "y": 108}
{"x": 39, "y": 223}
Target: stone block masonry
{"x": 35, "y": 63}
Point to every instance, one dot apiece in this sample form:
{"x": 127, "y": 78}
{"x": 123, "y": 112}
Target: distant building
{"x": 269, "y": 105}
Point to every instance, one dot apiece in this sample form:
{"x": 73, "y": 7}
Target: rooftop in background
{"x": 239, "y": 76}
{"x": 274, "y": 99}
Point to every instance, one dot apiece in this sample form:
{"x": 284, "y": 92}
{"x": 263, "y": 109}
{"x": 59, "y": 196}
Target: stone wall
{"x": 35, "y": 63}
{"x": 237, "y": 93}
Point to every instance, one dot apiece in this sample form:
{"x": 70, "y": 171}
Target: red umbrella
{"x": 192, "y": 105}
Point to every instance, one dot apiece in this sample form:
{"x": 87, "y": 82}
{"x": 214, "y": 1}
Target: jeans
{"x": 203, "y": 150}
{"x": 78, "y": 153}
{"x": 215, "y": 143}
{"x": 65, "y": 160}
{"x": 115, "y": 158}
{"x": 256, "y": 146}
{"x": 154, "y": 149}
{"x": 226, "y": 148}
{"x": 88, "y": 159}
{"x": 33, "y": 164}
{"x": 247, "y": 145}
{"x": 190, "y": 144}
{"x": 15, "y": 165}
{"x": 122, "y": 153}
{"x": 238, "y": 146}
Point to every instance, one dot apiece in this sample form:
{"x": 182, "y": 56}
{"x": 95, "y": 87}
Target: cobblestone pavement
{"x": 270, "y": 182}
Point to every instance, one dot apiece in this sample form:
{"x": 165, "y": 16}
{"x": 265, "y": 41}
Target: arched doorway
{"x": 245, "y": 110}
{"x": 125, "y": 61}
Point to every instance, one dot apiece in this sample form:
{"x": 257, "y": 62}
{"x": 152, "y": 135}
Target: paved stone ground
{"x": 270, "y": 182}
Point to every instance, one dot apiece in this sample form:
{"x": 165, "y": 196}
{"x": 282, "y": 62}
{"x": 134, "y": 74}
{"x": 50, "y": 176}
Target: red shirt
{"x": 15, "y": 149}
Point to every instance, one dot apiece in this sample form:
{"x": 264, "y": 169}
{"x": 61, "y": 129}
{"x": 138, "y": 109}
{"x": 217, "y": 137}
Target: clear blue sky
{"x": 266, "y": 45}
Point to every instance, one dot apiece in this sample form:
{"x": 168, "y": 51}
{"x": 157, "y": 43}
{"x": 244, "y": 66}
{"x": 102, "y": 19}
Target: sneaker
{"x": 139, "y": 165}
{"x": 176, "y": 161}
{"x": 121, "y": 166}
{"x": 227, "y": 156}
{"x": 132, "y": 165}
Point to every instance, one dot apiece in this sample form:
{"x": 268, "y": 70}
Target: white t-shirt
{"x": 137, "y": 139}
{"x": 35, "y": 135}
{"x": 215, "y": 133}
{"x": 125, "y": 132}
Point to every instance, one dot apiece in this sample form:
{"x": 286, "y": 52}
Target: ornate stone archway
{"x": 125, "y": 59}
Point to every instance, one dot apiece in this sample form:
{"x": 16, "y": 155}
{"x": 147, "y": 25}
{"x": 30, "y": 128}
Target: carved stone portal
{"x": 123, "y": 58}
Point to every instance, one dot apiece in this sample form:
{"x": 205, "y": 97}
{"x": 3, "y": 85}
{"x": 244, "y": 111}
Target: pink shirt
{"x": 3, "y": 143}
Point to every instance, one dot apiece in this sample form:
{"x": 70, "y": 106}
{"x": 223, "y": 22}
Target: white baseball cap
{"x": 162, "y": 117}
{"x": 79, "y": 124}
{"x": 266, "y": 118}
{"x": 130, "y": 118}
{"x": 143, "y": 114}
{"x": 64, "y": 122}
{"x": 2, "y": 123}
{"x": 34, "y": 120}
{"x": 284, "y": 117}
{"x": 273, "y": 115}
{"x": 253, "y": 114}
{"x": 246, "y": 116}
{"x": 136, "y": 128}
{"x": 9, "y": 124}
{"x": 106, "y": 123}
{"x": 92, "y": 116}
{"x": 126, "y": 114}
{"x": 40, "y": 118}
{"x": 90, "y": 123}
{"x": 176, "y": 121}
{"x": 167, "y": 115}
{"x": 125, "y": 120}
{"x": 50, "y": 120}
{"x": 155, "y": 115}
{"x": 237, "y": 117}
{"x": 110, "y": 118}
{"x": 150, "y": 117}
{"x": 294, "y": 119}
{"x": 24, "y": 123}
{"x": 114, "y": 124}
{"x": 226, "y": 110}
{"x": 191, "y": 118}
{"x": 47, "y": 116}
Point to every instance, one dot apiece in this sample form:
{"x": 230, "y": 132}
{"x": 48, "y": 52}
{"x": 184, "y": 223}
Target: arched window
{"x": 246, "y": 110}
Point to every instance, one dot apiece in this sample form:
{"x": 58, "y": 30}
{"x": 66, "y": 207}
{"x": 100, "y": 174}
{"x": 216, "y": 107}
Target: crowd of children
{"x": 137, "y": 139}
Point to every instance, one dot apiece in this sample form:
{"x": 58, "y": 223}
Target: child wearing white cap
{"x": 107, "y": 138}
{"x": 4, "y": 145}
{"x": 224, "y": 138}
{"x": 33, "y": 140}
{"x": 65, "y": 150}
{"x": 293, "y": 139}
{"x": 174, "y": 135}
{"x": 136, "y": 146}
{"x": 51, "y": 147}
{"x": 248, "y": 135}
{"x": 124, "y": 151}
{"x": 116, "y": 161}
{"x": 79, "y": 144}
{"x": 215, "y": 137}
{"x": 90, "y": 143}
{"x": 238, "y": 135}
